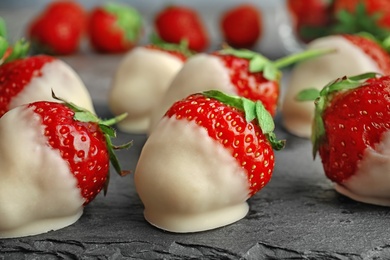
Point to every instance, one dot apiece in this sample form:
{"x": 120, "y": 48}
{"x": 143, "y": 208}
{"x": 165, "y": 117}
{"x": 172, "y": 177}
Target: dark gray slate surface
{"x": 297, "y": 215}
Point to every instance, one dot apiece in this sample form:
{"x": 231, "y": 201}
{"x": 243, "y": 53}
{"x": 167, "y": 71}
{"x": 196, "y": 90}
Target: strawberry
{"x": 308, "y": 16}
{"x": 114, "y": 28}
{"x": 209, "y": 154}
{"x": 72, "y": 150}
{"x": 233, "y": 71}
{"x": 241, "y": 25}
{"x": 58, "y": 29}
{"x": 351, "y": 134}
{"x": 177, "y": 23}
{"x": 377, "y": 11}
{"x": 354, "y": 55}
{"x": 134, "y": 91}
{"x": 28, "y": 79}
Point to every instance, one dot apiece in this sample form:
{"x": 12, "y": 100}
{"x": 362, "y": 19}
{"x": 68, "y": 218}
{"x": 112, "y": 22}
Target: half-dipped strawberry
{"x": 114, "y": 28}
{"x": 208, "y": 155}
{"x": 351, "y": 132}
{"x": 54, "y": 160}
{"x": 141, "y": 80}
{"x": 27, "y": 79}
{"x": 354, "y": 55}
{"x": 235, "y": 71}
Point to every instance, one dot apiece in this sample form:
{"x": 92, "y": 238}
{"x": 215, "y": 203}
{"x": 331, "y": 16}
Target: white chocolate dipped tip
{"x": 38, "y": 193}
{"x": 63, "y": 80}
{"x": 189, "y": 182}
{"x": 139, "y": 83}
{"x": 371, "y": 183}
{"x": 201, "y": 72}
{"x": 348, "y": 60}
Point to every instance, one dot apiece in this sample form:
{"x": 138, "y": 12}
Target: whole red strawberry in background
{"x": 351, "y": 133}
{"x": 378, "y": 8}
{"x": 72, "y": 150}
{"x": 114, "y": 28}
{"x": 309, "y": 14}
{"x": 234, "y": 71}
{"x": 177, "y": 23}
{"x": 208, "y": 155}
{"x": 241, "y": 25}
{"x": 58, "y": 29}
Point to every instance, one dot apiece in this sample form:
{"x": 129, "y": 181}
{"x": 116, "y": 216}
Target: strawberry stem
{"x": 271, "y": 70}
{"x": 252, "y": 110}
{"x": 301, "y": 56}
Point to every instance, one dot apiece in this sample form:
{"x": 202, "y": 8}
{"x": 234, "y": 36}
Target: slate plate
{"x": 297, "y": 215}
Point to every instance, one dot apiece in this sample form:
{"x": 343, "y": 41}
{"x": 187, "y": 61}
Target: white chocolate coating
{"x": 64, "y": 81}
{"x": 348, "y": 60}
{"x": 371, "y": 183}
{"x": 189, "y": 182}
{"x": 38, "y": 193}
{"x": 140, "y": 82}
{"x": 200, "y": 73}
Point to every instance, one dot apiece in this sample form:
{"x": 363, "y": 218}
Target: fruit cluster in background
{"x": 111, "y": 27}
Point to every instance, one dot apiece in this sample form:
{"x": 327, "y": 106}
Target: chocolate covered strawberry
{"x": 351, "y": 132}
{"x": 134, "y": 91}
{"x": 114, "y": 28}
{"x": 28, "y": 79}
{"x": 239, "y": 72}
{"x": 354, "y": 55}
{"x": 208, "y": 155}
{"x": 54, "y": 160}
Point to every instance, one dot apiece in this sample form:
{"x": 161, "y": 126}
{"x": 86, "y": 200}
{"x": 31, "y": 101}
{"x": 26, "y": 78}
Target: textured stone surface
{"x": 297, "y": 215}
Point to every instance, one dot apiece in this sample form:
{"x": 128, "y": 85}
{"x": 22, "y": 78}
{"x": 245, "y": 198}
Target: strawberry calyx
{"x": 83, "y": 115}
{"x": 181, "y": 47}
{"x": 322, "y": 99}
{"x": 252, "y": 110}
{"x": 127, "y": 18}
{"x": 271, "y": 69}
{"x": 9, "y": 53}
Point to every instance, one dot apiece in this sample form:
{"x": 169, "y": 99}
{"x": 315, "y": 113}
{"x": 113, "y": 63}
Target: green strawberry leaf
{"x": 128, "y": 18}
{"x": 271, "y": 69}
{"x": 19, "y": 50}
{"x": 3, "y": 28}
{"x": 3, "y": 46}
{"x": 252, "y": 110}
{"x": 308, "y": 94}
{"x": 182, "y": 47}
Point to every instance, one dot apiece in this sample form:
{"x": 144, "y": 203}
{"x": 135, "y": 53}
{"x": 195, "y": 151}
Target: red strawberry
{"x": 59, "y": 28}
{"x": 177, "y": 23}
{"x": 239, "y": 72}
{"x": 28, "y": 79}
{"x": 135, "y": 92}
{"x": 351, "y": 134}
{"x": 354, "y": 55}
{"x": 241, "y": 25}
{"x": 72, "y": 151}
{"x": 208, "y": 155}
{"x": 114, "y": 28}
{"x": 309, "y": 14}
